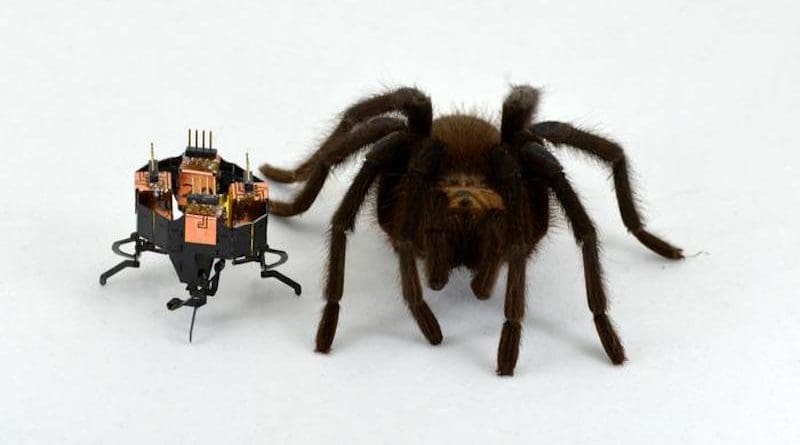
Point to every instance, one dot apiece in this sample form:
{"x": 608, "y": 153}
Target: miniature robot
{"x": 224, "y": 217}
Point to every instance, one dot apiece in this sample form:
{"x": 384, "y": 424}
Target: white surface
{"x": 704, "y": 97}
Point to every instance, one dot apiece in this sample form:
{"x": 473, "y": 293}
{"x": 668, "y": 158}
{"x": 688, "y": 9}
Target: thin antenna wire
{"x": 152, "y": 157}
{"x": 204, "y": 139}
{"x": 249, "y": 175}
{"x": 195, "y": 138}
{"x": 191, "y": 327}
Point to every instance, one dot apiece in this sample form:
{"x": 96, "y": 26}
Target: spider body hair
{"x": 457, "y": 191}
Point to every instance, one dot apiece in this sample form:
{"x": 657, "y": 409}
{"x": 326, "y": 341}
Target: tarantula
{"x": 458, "y": 191}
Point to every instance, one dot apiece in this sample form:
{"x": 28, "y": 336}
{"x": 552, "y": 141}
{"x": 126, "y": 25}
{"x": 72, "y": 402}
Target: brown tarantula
{"x": 457, "y": 191}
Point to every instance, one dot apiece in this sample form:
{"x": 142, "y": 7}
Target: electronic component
{"x": 223, "y": 217}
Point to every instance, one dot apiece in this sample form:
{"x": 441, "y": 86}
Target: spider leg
{"x": 412, "y": 103}
{"x": 421, "y": 167}
{"x": 412, "y": 293}
{"x": 336, "y": 149}
{"x": 523, "y": 231}
{"x": 612, "y": 153}
{"x": 519, "y": 109}
{"x": 544, "y": 165}
{"x": 438, "y": 259}
{"x": 507, "y": 172}
{"x": 485, "y": 273}
{"x": 343, "y": 221}
{"x": 517, "y": 256}
{"x": 438, "y": 251}
{"x": 514, "y": 310}
{"x": 485, "y": 277}
{"x": 350, "y": 143}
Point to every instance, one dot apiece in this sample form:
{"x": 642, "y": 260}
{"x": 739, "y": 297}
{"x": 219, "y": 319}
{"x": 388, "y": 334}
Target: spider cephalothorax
{"x": 458, "y": 191}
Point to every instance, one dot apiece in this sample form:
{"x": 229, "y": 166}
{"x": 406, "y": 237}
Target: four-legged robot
{"x": 225, "y": 212}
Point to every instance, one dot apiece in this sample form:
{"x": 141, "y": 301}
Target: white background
{"x": 702, "y": 94}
